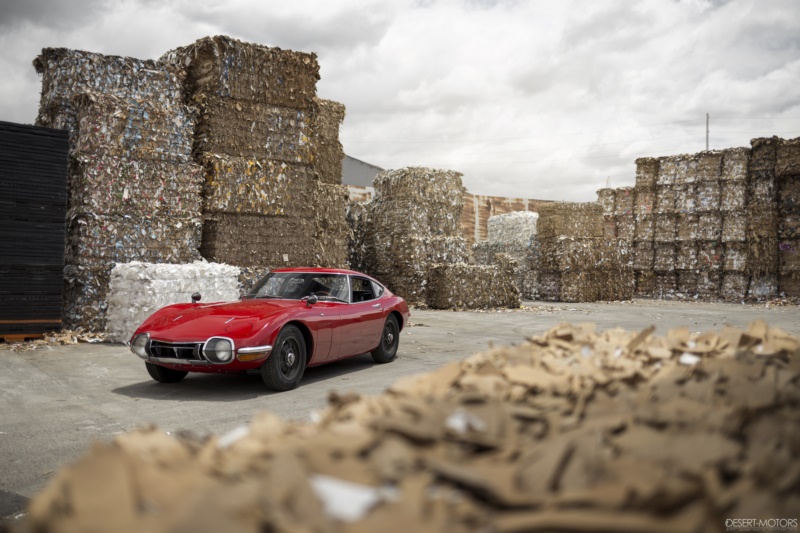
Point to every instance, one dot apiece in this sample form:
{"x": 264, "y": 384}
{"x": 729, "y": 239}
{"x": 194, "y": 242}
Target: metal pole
{"x": 707, "y": 118}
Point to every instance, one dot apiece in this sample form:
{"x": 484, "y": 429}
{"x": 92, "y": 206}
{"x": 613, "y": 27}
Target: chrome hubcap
{"x": 290, "y": 359}
{"x": 389, "y": 337}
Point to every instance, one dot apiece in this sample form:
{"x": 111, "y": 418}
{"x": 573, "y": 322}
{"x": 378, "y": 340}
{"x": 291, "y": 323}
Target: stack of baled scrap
{"x": 642, "y": 249}
{"x": 465, "y": 286}
{"x": 413, "y": 222}
{"x": 514, "y": 235}
{"x": 134, "y": 194}
{"x": 762, "y": 219}
{"x": 788, "y": 177}
{"x": 269, "y": 198}
{"x": 137, "y": 290}
{"x": 578, "y": 263}
{"x": 575, "y": 430}
{"x": 733, "y": 206}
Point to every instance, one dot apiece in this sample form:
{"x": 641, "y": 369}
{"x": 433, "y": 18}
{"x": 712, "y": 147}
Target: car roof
{"x": 317, "y": 270}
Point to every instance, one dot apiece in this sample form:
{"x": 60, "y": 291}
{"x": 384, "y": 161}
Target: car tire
{"x": 286, "y": 364}
{"x": 390, "y": 340}
{"x": 164, "y": 375}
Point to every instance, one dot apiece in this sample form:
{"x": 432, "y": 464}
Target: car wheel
{"x": 287, "y": 362}
{"x": 390, "y": 340}
{"x": 164, "y": 375}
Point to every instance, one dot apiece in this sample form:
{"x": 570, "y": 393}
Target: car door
{"x": 361, "y": 321}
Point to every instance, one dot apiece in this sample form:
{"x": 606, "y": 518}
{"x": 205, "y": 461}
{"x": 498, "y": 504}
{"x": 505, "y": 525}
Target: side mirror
{"x": 195, "y": 297}
{"x": 311, "y": 299}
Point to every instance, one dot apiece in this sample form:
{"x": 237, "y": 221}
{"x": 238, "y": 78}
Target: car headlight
{"x": 139, "y": 344}
{"x": 218, "y": 350}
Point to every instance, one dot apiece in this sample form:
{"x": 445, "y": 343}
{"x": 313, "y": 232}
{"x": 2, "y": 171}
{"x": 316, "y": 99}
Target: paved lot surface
{"x": 55, "y": 401}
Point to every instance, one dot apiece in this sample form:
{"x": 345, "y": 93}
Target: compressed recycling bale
{"x": 609, "y": 227}
{"x": 550, "y": 286}
{"x": 66, "y": 73}
{"x": 710, "y": 255}
{"x": 128, "y": 128}
{"x": 762, "y": 222}
{"x": 667, "y": 171}
{"x": 734, "y": 286}
{"x": 85, "y": 296}
{"x": 686, "y": 199}
{"x": 645, "y": 283}
{"x": 709, "y": 195}
{"x": 645, "y": 227}
{"x": 789, "y": 193}
{"x": 665, "y": 228}
{"x": 109, "y": 185}
{"x": 664, "y": 256}
{"x": 762, "y": 286}
{"x": 762, "y": 255}
{"x": 137, "y": 290}
{"x": 579, "y": 286}
{"x": 789, "y": 226}
{"x": 464, "y": 286}
{"x": 252, "y": 186}
{"x": 734, "y": 226}
{"x": 624, "y": 201}
{"x": 789, "y": 284}
{"x": 485, "y": 253}
{"x": 254, "y": 130}
{"x": 332, "y": 231}
{"x": 221, "y": 66}
{"x": 326, "y": 119}
{"x": 414, "y": 218}
{"x": 646, "y": 172}
{"x": 121, "y": 239}
{"x": 645, "y": 201}
{"x": 626, "y": 227}
{"x": 763, "y": 192}
{"x": 665, "y": 199}
{"x": 578, "y": 220}
{"x": 530, "y": 285}
{"x": 709, "y": 226}
{"x": 686, "y": 286}
{"x": 735, "y": 257}
{"x": 430, "y": 187}
{"x": 789, "y": 256}
{"x": 709, "y": 166}
{"x": 733, "y": 195}
{"x": 643, "y": 255}
{"x": 787, "y": 157}
{"x": 709, "y": 284}
{"x": 763, "y": 154}
{"x": 254, "y": 240}
{"x": 677, "y": 169}
{"x": 515, "y": 228}
{"x": 606, "y": 198}
{"x": 686, "y": 256}
{"x": 665, "y": 285}
{"x": 735, "y": 163}
{"x": 687, "y": 228}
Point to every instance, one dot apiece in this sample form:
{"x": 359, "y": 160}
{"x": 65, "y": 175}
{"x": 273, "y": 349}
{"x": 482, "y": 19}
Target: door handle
{"x": 376, "y": 305}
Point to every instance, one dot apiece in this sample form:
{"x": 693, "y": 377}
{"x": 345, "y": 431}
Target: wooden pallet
{"x": 20, "y": 337}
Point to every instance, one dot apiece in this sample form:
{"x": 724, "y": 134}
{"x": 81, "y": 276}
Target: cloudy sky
{"x": 540, "y": 99}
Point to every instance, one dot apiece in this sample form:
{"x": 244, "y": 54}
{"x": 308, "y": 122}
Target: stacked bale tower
{"x": 788, "y": 177}
{"x": 578, "y": 262}
{"x": 762, "y": 219}
{"x": 133, "y": 192}
{"x": 273, "y": 193}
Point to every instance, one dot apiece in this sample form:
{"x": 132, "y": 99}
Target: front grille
{"x": 176, "y": 350}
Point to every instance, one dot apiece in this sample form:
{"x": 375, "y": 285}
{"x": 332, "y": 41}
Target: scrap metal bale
{"x": 111, "y": 185}
{"x": 413, "y": 217}
{"x": 224, "y": 67}
{"x": 433, "y": 188}
{"x": 464, "y": 286}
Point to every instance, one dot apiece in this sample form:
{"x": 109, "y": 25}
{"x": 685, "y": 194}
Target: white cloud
{"x": 526, "y": 98}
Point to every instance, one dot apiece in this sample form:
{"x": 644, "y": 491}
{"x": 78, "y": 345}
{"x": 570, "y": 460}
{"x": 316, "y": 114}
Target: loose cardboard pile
{"x": 706, "y": 225}
{"x": 412, "y": 223}
{"x": 137, "y": 290}
{"x": 133, "y": 192}
{"x": 273, "y": 193}
{"x": 513, "y": 234}
{"x": 787, "y": 169}
{"x": 575, "y": 430}
{"x": 578, "y": 262}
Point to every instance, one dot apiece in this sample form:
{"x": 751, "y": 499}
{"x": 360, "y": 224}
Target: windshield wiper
{"x": 269, "y": 296}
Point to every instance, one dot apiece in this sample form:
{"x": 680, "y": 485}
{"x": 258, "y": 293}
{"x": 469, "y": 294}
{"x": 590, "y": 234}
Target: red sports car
{"x": 294, "y": 318}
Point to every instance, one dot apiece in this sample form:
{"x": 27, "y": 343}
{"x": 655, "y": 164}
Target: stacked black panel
{"x": 33, "y": 203}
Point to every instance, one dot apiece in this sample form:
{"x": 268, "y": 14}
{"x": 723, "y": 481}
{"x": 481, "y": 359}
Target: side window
{"x": 362, "y": 290}
{"x": 377, "y": 290}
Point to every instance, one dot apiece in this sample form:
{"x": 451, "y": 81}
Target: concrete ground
{"x": 56, "y": 400}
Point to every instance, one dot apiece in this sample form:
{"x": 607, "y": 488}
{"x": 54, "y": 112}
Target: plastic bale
{"x": 735, "y": 164}
{"x": 225, "y": 67}
{"x": 550, "y": 286}
{"x": 464, "y": 286}
{"x": 515, "y": 228}
{"x": 254, "y": 130}
{"x": 647, "y": 171}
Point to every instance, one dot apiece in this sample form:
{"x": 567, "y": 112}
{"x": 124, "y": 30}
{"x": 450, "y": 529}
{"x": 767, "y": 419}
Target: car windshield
{"x": 297, "y": 285}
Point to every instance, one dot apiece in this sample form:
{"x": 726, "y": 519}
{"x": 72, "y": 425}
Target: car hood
{"x": 198, "y": 322}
